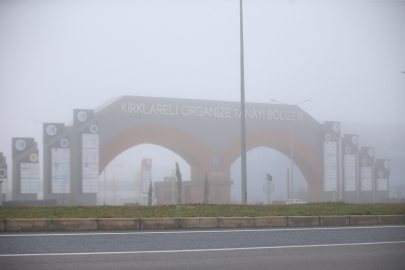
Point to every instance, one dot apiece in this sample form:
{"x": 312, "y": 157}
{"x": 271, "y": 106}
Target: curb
{"x": 334, "y": 220}
{"x": 235, "y": 222}
{"x": 74, "y": 224}
{"x": 118, "y": 224}
{"x": 391, "y": 219}
{"x": 199, "y": 223}
{"x": 160, "y": 223}
{"x": 363, "y": 220}
{"x": 307, "y": 221}
{"x": 2, "y": 225}
{"x": 29, "y": 225}
{"x": 104, "y": 224}
{"x": 263, "y": 222}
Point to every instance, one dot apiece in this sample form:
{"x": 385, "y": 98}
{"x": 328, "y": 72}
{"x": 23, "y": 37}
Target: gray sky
{"x": 56, "y": 56}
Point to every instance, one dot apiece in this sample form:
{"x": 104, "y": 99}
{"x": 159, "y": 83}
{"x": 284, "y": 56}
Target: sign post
{"x": 269, "y": 179}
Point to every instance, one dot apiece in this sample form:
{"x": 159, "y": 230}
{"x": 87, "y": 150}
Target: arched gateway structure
{"x": 206, "y": 134}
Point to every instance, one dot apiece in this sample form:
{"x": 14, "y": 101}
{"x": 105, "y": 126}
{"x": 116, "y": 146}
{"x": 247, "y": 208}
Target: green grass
{"x": 200, "y": 210}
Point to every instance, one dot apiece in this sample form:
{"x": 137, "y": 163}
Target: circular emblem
{"x": 386, "y": 164}
{"x": 371, "y": 152}
{"x": 217, "y": 161}
{"x": 20, "y": 145}
{"x": 93, "y": 128}
{"x": 380, "y": 174}
{"x": 328, "y": 137}
{"x": 3, "y": 173}
{"x": 64, "y": 143}
{"x": 348, "y": 150}
{"x": 33, "y": 157}
{"x": 82, "y": 116}
{"x": 51, "y": 130}
{"x": 364, "y": 162}
{"x": 336, "y": 127}
{"x": 354, "y": 140}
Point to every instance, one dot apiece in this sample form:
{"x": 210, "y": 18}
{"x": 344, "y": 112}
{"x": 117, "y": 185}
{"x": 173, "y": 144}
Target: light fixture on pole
{"x": 243, "y": 125}
{"x": 292, "y": 144}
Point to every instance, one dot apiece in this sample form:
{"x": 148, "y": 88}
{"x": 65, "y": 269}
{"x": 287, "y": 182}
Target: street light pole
{"x": 243, "y": 124}
{"x": 292, "y": 159}
{"x": 292, "y": 145}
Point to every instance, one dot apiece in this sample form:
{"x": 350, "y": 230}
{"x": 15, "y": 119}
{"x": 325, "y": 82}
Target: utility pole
{"x": 243, "y": 124}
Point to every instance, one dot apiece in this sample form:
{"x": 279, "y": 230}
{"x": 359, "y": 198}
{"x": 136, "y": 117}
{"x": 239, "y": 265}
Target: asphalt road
{"x": 368, "y": 247}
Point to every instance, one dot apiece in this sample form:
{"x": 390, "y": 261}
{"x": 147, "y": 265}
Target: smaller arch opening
{"x": 262, "y": 160}
{"x": 120, "y": 181}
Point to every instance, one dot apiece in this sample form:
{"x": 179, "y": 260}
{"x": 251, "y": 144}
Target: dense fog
{"x": 347, "y": 56}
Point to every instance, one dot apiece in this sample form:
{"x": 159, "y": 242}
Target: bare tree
{"x": 179, "y": 187}
{"x": 206, "y": 189}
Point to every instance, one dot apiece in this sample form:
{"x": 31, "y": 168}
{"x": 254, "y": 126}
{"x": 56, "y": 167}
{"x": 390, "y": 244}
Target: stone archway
{"x": 206, "y": 134}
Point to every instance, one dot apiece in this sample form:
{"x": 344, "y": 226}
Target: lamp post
{"x": 243, "y": 125}
{"x": 292, "y": 144}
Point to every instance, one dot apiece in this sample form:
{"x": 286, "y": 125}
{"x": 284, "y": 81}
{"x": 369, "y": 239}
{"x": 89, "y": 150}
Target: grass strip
{"x": 200, "y": 210}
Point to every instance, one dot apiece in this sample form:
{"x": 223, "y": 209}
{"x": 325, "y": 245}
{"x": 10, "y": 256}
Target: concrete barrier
{"x": 29, "y": 225}
{"x": 334, "y": 221}
{"x": 106, "y": 224}
{"x": 260, "y": 222}
{"x": 199, "y": 223}
{"x": 2, "y": 225}
{"x": 363, "y": 220}
{"x": 390, "y": 219}
{"x": 75, "y": 224}
{"x": 160, "y": 223}
{"x": 235, "y": 222}
{"x": 303, "y": 221}
{"x": 88, "y": 224}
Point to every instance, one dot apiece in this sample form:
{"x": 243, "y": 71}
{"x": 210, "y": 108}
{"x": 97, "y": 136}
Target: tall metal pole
{"x": 105, "y": 184}
{"x": 292, "y": 160}
{"x": 242, "y": 101}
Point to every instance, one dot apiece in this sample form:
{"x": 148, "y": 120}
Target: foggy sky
{"x": 56, "y": 56}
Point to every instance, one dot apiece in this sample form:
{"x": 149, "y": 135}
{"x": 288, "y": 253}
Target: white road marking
{"x": 195, "y": 250}
{"x": 186, "y": 231}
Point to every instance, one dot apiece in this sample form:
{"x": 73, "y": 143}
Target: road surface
{"x": 353, "y": 247}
